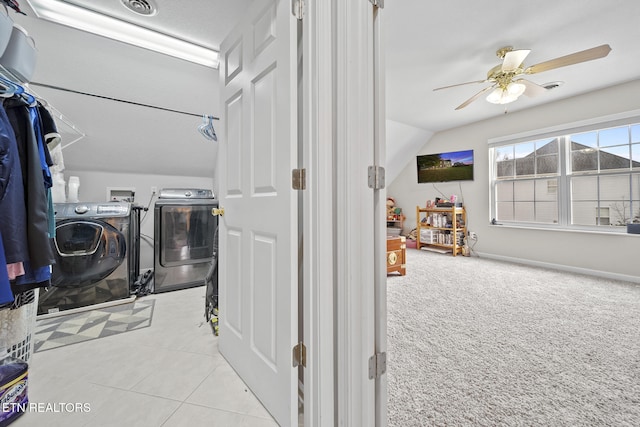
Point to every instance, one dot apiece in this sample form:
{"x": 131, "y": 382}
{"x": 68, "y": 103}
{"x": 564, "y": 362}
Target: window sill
{"x": 614, "y": 232}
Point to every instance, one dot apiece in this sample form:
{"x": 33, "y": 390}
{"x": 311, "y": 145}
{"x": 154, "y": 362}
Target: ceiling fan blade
{"x": 474, "y": 97}
{"x": 460, "y": 84}
{"x": 532, "y": 89}
{"x": 573, "y": 58}
{"x": 513, "y": 59}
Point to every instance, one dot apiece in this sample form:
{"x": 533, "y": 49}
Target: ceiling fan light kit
{"x": 507, "y": 94}
{"x": 507, "y": 84}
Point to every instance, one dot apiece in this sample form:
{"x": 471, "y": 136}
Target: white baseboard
{"x": 568, "y": 268}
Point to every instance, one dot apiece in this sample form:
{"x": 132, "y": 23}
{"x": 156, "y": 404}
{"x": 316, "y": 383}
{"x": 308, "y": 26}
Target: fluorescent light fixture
{"x": 86, "y": 20}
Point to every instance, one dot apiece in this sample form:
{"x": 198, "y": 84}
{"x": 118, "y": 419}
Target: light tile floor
{"x": 169, "y": 374}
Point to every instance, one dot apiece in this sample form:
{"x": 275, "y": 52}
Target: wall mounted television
{"x": 444, "y": 167}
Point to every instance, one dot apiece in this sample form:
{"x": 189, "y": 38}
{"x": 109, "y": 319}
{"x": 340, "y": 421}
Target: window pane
{"x": 584, "y": 213}
{"x": 635, "y": 156}
{"x": 504, "y": 153}
{"x": 547, "y": 212}
{"x": 547, "y": 164}
{"x": 614, "y": 157}
{"x": 504, "y": 192}
{"x": 524, "y": 211}
{"x": 524, "y": 190}
{"x": 505, "y": 169}
{"x": 583, "y": 140}
{"x": 615, "y": 187}
{"x": 505, "y": 211}
{"x": 619, "y": 211}
{"x": 525, "y": 149}
{"x": 584, "y": 160}
{"x": 614, "y": 136}
{"x": 547, "y": 146}
{"x": 636, "y": 211}
{"x": 504, "y": 161}
{"x": 525, "y": 166}
{"x": 635, "y": 133}
{"x": 584, "y": 188}
{"x": 546, "y": 190}
{"x": 635, "y": 186}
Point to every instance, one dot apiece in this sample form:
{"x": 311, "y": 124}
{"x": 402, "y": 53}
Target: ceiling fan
{"x": 506, "y": 78}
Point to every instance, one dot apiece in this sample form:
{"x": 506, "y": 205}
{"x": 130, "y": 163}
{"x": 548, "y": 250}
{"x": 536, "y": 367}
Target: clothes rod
{"x": 121, "y": 100}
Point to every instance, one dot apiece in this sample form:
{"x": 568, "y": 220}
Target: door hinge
{"x": 299, "y": 179}
{"x": 299, "y": 355}
{"x": 297, "y": 9}
{"x": 377, "y": 365}
{"x": 376, "y": 177}
{"x": 378, "y": 3}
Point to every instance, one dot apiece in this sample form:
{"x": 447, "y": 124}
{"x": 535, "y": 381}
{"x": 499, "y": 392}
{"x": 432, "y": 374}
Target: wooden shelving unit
{"x": 445, "y": 228}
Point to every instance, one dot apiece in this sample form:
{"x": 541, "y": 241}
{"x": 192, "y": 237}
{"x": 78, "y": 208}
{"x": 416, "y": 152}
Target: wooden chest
{"x": 396, "y": 255}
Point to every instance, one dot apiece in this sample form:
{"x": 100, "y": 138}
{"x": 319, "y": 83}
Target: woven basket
{"x": 16, "y": 329}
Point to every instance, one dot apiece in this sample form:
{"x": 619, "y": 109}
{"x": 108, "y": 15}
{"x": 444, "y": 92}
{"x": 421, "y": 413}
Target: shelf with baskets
{"x": 395, "y": 218}
{"x": 394, "y": 225}
{"x": 441, "y": 227}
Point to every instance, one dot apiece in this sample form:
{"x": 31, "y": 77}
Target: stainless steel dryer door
{"x": 86, "y": 252}
{"x": 186, "y": 235}
{"x": 183, "y": 241}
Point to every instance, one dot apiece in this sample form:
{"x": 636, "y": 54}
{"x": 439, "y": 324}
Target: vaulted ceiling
{"x": 428, "y": 45}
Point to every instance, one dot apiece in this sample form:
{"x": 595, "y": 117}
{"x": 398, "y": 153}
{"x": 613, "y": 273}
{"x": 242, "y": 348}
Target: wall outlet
{"x": 154, "y": 190}
{"x": 473, "y": 235}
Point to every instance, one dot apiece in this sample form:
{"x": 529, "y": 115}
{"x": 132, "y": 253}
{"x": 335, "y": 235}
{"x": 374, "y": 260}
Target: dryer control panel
{"x": 185, "y": 193}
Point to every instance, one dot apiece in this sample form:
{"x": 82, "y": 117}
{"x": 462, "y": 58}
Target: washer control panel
{"x": 93, "y": 210}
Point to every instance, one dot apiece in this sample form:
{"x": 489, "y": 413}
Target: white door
{"x": 258, "y": 232}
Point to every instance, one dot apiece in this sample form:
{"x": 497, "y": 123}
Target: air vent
{"x": 141, "y": 7}
{"x": 552, "y": 85}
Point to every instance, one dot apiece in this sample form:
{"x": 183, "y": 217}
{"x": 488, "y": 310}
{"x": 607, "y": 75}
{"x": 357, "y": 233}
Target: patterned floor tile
{"x": 71, "y": 329}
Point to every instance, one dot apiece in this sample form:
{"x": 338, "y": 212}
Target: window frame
{"x": 564, "y": 176}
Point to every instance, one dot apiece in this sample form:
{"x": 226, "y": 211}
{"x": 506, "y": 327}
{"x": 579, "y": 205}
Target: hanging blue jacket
{"x": 6, "y": 296}
{"x": 12, "y": 207}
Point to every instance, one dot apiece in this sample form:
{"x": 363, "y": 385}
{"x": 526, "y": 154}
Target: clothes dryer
{"x": 96, "y": 257}
{"x": 184, "y": 232}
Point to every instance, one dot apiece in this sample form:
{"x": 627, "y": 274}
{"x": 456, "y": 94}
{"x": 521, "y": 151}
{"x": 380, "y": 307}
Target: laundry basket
{"x": 16, "y": 329}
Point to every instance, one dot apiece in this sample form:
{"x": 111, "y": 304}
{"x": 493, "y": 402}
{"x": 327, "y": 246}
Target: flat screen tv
{"x": 443, "y": 167}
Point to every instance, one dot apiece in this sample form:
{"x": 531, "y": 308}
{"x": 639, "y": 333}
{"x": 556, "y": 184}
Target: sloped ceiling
{"x": 428, "y": 45}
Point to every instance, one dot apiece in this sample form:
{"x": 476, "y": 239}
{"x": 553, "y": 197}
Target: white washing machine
{"x": 96, "y": 257}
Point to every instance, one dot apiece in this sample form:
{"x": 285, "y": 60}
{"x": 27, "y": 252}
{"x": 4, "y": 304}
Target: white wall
{"x": 93, "y": 188}
{"x": 121, "y": 136}
{"x": 610, "y": 255}
{"x": 402, "y": 142}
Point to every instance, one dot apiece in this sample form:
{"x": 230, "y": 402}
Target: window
{"x": 585, "y": 179}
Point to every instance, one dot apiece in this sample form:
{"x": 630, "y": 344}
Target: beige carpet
{"x": 475, "y": 342}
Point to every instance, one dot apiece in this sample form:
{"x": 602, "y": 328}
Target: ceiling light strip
{"x": 115, "y": 29}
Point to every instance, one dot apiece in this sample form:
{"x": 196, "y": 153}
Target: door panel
{"x": 234, "y": 120}
{"x": 263, "y": 290}
{"x": 258, "y": 233}
{"x": 263, "y": 141}
{"x": 233, "y": 271}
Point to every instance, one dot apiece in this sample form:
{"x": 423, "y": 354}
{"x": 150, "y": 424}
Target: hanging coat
{"x": 13, "y": 227}
{"x": 35, "y": 192}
